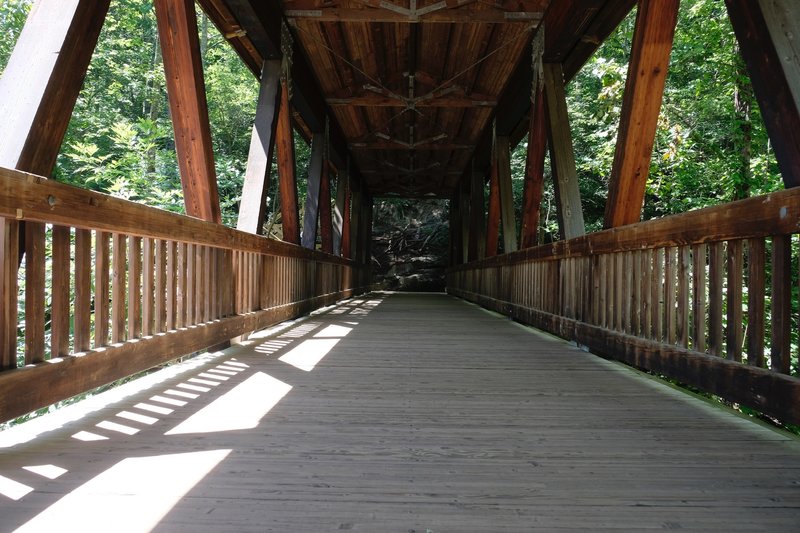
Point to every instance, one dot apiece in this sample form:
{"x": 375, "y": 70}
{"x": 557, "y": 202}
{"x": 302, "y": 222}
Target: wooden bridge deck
{"x": 400, "y": 413}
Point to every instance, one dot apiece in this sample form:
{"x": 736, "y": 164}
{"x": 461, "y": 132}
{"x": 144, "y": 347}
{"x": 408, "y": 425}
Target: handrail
{"x": 127, "y": 287}
{"x": 685, "y": 296}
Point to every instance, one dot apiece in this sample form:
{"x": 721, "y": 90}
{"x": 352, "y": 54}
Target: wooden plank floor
{"x": 400, "y": 413}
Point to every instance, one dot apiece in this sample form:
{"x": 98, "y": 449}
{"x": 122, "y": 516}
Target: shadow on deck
{"x": 399, "y": 413}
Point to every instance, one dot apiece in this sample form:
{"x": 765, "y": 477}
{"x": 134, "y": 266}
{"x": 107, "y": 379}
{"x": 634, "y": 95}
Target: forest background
{"x": 711, "y": 145}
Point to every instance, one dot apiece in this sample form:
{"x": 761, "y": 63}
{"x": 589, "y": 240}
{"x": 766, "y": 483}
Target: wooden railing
{"x": 109, "y": 288}
{"x": 705, "y": 297}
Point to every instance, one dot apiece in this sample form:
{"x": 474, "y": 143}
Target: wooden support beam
{"x": 259, "y": 159}
{"x": 454, "y": 222}
{"x": 562, "y": 156}
{"x": 339, "y": 210}
{"x": 783, "y": 20}
{"x": 493, "y": 218}
{"x": 43, "y": 78}
{"x": 356, "y": 212}
{"x": 644, "y": 88}
{"x": 180, "y": 46}
{"x": 346, "y": 227}
{"x": 770, "y": 76}
{"x": 477, "y": 216}
{"x": 534, "y": 172}
{"x": 325, "y": 222}
{"x": 311, "y": 212}
{"x": 369, "y": 212}
{"x": 463, "y": 202}
{"x": 284, "y": 139}
{"x": 506, "y": 194}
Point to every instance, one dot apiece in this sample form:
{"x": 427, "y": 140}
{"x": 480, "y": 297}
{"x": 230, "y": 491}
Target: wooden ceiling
{"x": 412, "y": 87}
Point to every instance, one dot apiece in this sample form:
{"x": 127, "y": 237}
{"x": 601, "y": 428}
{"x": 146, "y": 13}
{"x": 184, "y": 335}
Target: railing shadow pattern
{"x": 109, "y": 288}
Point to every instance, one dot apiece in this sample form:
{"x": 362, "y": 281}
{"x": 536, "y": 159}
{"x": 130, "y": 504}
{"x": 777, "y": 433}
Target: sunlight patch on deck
{"x": 242, "y": 407}
{"x": 48, "y": 471}
{"x": 309, "y": 353}
{"x": 133, "y": 495}
{"x": 12, "y": 489}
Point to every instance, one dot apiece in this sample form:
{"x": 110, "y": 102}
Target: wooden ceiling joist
{"x": 442, "y": 12}
{"x": 447, "y": 101}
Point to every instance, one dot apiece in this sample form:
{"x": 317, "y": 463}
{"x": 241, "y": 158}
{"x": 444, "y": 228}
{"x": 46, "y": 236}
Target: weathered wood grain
{"x": 183, "y": 68}
{"x": 644, "y": 88}
{"x": 418, "y": 435}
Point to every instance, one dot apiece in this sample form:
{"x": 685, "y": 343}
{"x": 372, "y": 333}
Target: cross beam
{"x": 446, "y": 11}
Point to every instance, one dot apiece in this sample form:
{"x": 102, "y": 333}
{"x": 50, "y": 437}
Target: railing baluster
{"x": 636, "y": 306}
{"x": 134, "y": 287}
{"x": 148, "y": 283}
{"x": 171, "y": 301}
{"x": 34, "y": 292}
{"x": 60, "y": 285}
{"x": 733, "y": 339}
{"x": 191, "y": 285}
{"x": 699, "y": 297}
{"x": 180, "y": 287}
{"x": 102, "y": 258}
{"x": 669, "y": 294}
{"x": 9, "y": 290}
{"x": 657, "y": 293}
{"x": 682, "y": 323}
{"x": 627, "y": 290}
{"x": 715, "y": 277}
{"x": 208, "y": 279}
{"x": 781, "y": 303}
{"x": 647, "y": 293}
{"x": 83, "y": 289}
{"x": 118, "y": 308}
{"x": 755, "y": 301}
{"x": 160, "y": 286}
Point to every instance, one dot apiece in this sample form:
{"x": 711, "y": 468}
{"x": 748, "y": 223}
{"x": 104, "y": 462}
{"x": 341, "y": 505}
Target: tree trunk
{"x": 743, "y": 98}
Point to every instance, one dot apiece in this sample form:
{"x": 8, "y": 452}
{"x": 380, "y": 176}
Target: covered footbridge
{"x": 396, "y": 412}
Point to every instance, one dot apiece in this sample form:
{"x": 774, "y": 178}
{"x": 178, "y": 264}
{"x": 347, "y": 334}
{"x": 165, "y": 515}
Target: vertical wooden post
{"x": 477, "y": 223}
{"x": 506, "y": 194}
{"x": 339, "y": 211}
{"x": 454, "y": 219}
{"x": 286, "y": 168}
{"x": 493, "y": 218}
{"x": 562, "y": 157}
{"x": 346, "y": 224}
{"x": 180, "y": 47}
{"x": 311, "y": 212}
{"x": 534, "y": 172}
{"x": 325, "y": 222}
{"x": 366, "y": 257}
{"x": 536, "y": 150}
{"x": 772, "y": 76}
{"x": 644, "y": 88}
{"x": 356, "y": 211}
{"x": 259, "y": 158}
{"x": 463, "y": 202}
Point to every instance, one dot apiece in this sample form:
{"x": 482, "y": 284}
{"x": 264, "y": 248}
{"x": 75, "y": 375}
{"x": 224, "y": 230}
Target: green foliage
{"x": 701, "y": 140}
{"x": 12, "y": 19}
